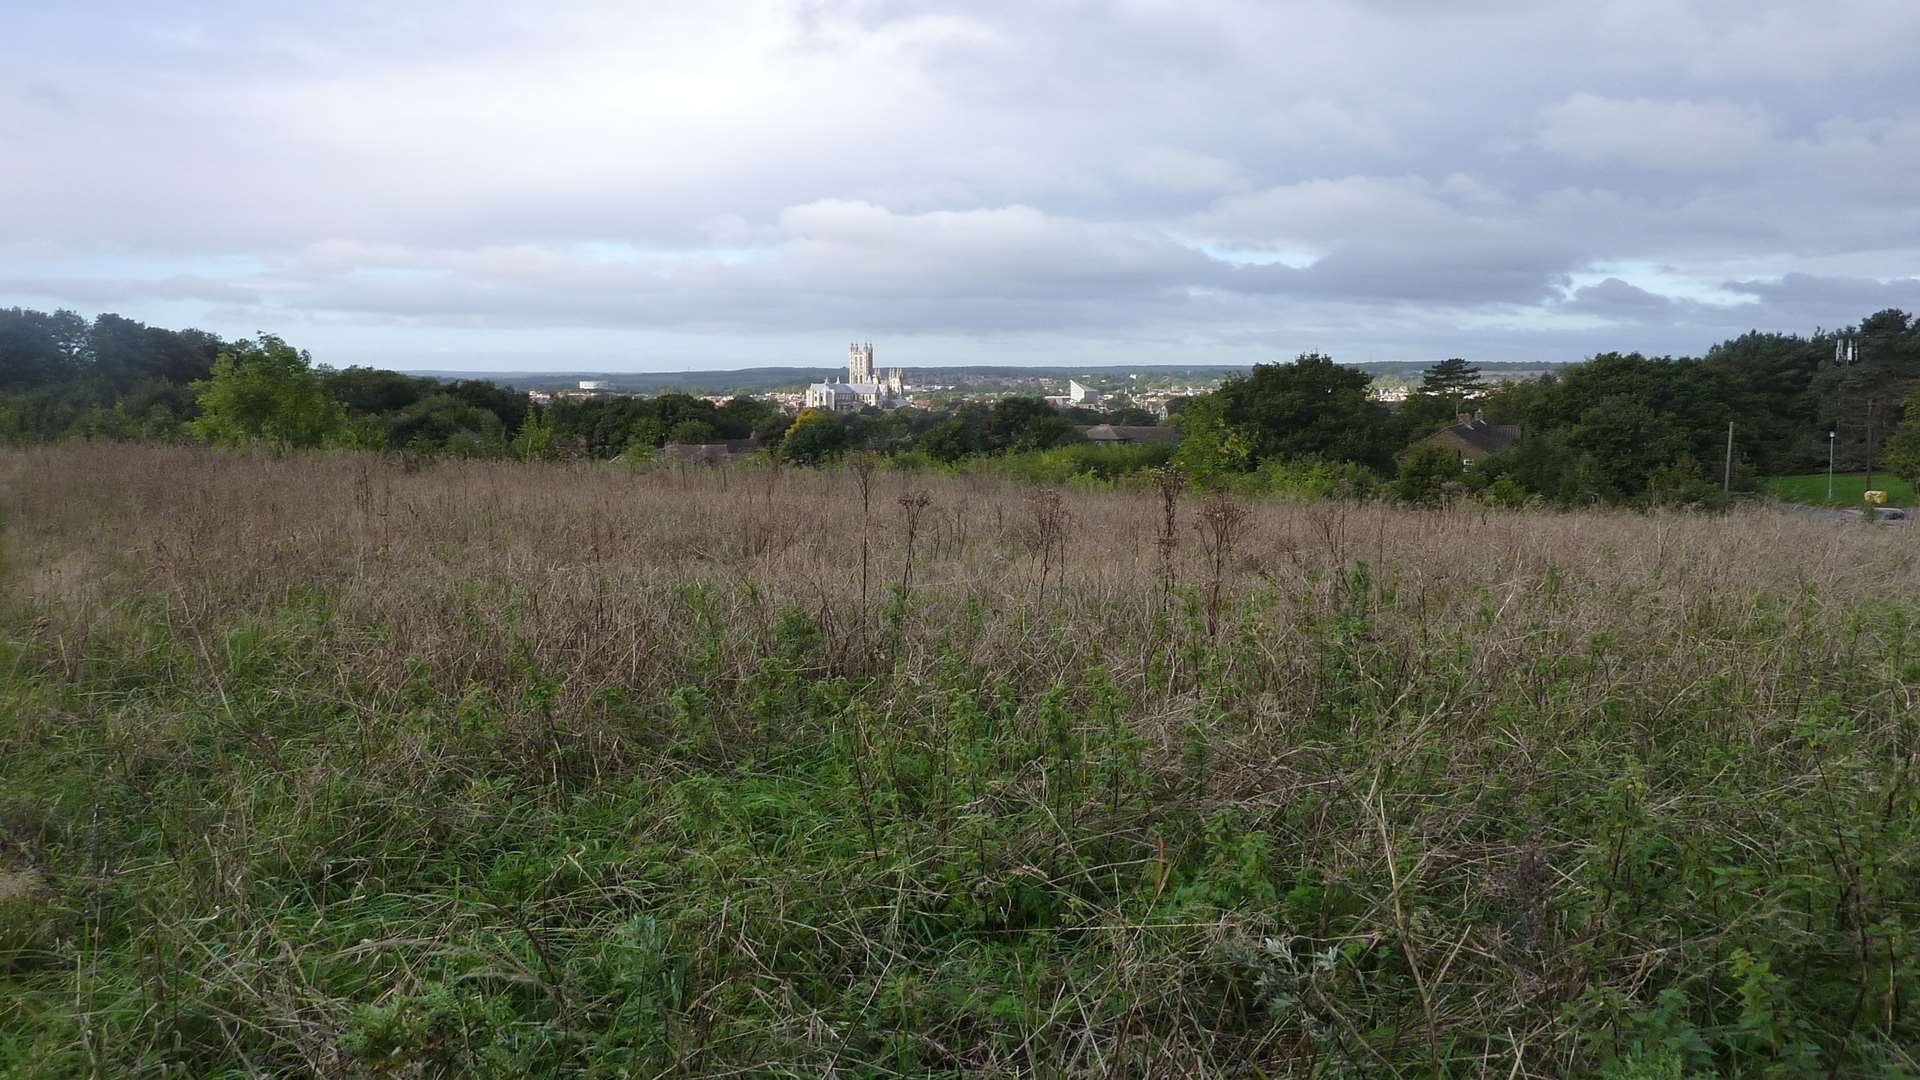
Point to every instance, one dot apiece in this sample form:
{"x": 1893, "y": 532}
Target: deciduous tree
{"x": 265, "y": 390}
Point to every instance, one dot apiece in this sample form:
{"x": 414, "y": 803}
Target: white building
{"x": 1082, "y": 395}
{"x": 595, "y": 384}
{"x": 861, "y": 389}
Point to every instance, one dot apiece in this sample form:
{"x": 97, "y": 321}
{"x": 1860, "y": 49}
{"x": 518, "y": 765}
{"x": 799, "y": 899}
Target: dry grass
{"x": 1366, "y": 791}
{"x": 586, "y": 571}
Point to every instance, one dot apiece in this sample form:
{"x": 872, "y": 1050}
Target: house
{"x": 1472, "y": 438}
{"x": 714, "y": 453}
{"x": 1111, "y": 434}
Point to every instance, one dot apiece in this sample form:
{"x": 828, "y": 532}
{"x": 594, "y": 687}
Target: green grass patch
{"x": 1811, "y": 488}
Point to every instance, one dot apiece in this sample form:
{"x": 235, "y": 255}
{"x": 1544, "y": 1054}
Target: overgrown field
{"x": 336, "y": 766}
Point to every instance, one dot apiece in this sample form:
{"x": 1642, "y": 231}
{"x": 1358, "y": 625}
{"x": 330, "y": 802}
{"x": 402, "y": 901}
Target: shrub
{"x": 1427, "y": 474}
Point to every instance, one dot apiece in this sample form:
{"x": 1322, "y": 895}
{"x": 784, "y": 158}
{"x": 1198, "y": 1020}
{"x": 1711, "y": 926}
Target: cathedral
{"x": 862, "y": 388}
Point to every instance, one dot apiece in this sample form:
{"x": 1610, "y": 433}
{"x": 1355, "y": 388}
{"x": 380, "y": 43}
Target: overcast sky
{"x": 659, "y": 185}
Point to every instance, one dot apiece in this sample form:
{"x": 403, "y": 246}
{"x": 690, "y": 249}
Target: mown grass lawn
{"x": 1811, "y": 488}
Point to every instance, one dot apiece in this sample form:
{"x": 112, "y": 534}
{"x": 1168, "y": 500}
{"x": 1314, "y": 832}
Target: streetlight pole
{"x": 1830, "y": 434}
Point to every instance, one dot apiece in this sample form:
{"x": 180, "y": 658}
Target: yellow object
{"x": 1876, "y": 498}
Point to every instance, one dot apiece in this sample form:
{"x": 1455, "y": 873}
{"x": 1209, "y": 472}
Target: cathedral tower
{"x": 860, "y": 363}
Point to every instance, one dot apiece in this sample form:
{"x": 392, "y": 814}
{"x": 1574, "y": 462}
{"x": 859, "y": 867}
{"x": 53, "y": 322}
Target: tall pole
{"x": 1726, "y": 478}
{"x": 1830, "y": 434}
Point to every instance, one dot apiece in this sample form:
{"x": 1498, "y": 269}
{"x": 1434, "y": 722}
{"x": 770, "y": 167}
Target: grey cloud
{"x": 109, "y": 291}
{"x": 827, "y": 263}
{"x": 1663, "y": 135}
{"x": 1417, "y": 179}
{"x": 1174, "y": 169}
{"x": 1831, "y": 300}
{"x": 1614, "y": 296}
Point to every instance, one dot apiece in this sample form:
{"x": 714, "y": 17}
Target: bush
{"x": 814, "y": 438}
{"x": 1428, "y": 475}
{"x": 1680, "y": 485}
{"x": 1507, "y": 493}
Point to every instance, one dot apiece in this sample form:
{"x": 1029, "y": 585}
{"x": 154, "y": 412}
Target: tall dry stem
{"x": 1223, "y": 519}
{"x": 913, "y": 504}
{"x": 1050, "y": 518}
{"x": 862, "y": 467}
{"x": 1169, "y": 480}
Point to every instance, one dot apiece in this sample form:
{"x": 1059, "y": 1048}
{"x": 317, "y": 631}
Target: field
{"x": 348, "y": 766}
{"x": 1811, "y": 488}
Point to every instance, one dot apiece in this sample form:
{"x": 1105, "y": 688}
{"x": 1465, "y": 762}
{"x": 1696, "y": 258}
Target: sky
{"x": 663, "y": 186}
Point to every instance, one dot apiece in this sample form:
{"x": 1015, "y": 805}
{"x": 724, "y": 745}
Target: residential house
{"x": 1112, "y": 434}
{"x": 1472, "y": 437}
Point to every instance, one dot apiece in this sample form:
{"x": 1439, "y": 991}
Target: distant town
{"x": 860, "y": 384}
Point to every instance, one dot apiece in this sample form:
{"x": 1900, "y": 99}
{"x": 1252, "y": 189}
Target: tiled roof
{"x": 1131, "y": 433}
{"x": 1482, "y": 436}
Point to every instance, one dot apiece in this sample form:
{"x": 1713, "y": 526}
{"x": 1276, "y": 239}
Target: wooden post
{"x": 1869, "y": 444}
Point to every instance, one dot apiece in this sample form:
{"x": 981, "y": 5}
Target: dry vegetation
{"x": 340, "y": 765}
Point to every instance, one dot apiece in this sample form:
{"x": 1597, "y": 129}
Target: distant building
{"x": 1472, "y": 438}
{"x": 712, "y": 453}
{"x": 1131, "y": 433}
{"x": 595, "y": 384}
{"x": 1082, "y": 395}
{"x": 861, "y": 389}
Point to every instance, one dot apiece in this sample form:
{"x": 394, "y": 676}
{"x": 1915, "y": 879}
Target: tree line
{"x": 1618, "y": 428}
{"x": 63, "y": 377}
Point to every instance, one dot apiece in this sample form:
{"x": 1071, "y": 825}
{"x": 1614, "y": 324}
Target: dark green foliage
{"x": 1505, "y": 492}
{"x": 1453, "y": 378}
{"x": 114, "y": 378}
{"x": 1861, "y": 401}
{"x": 1619, "y": 428}
{"x": 691, "y": 432}
{"x": 1309, "y": 408}
{"x": 604, "y": 427}
{"x": 1423, "y": 414}
{"x": 1446, "y": 389}
{"x": 814, "y": 438}
{"x": 1600, "y": 431}
{"x": 370, "y": 391}
{"x": 1020, "y": 423}
{"x": 61, "y": 376}
{"x": 952, "y": 439}
{"x": 40, "y": 349}
{"x": 444, "y": 421}
{"x": 124, "y": 353}
{"x": 1903, "y": 446}
{"x": 1427, "y": 474}
{"x": 508, "y": 405}
{"x": 265, "y": 391}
